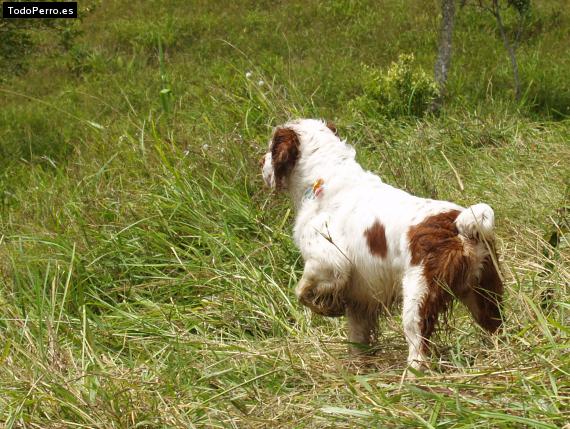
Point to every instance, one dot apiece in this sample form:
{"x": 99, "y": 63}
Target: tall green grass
{"x": 146, "y": 277}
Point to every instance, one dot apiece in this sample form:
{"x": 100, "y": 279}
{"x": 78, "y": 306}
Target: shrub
{"x": 402, "y": 90}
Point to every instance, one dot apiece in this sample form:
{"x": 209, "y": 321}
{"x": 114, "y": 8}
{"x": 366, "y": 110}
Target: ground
{"x": 147, "y": 277}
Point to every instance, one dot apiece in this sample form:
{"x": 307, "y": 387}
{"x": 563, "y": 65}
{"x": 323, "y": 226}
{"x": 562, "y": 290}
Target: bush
{"x": 15, "y": 44}
{"x": 402, "y": 90}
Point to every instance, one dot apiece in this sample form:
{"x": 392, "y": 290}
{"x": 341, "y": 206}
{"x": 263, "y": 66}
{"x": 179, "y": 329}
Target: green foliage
{"x": 521, "y": 6}
{"x": 81, "y": 60}
{"x": 35, "y": 134}
{"x": 147, "y": 277}
{"x": 15, "y": 44}
{"x": 19, "y": 37}
{"x": 404, "y": 89}
{"x": 165, "y": 93}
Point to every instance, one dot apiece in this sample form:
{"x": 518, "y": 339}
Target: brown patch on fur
{"x": 331, "y": 126}
{"x": 284, "y": 154}
{"x": 485, "y": 300}
{"x": 376, "y": 239}
{"x": 449, "y": 268}
{"x": 436, "y": 245}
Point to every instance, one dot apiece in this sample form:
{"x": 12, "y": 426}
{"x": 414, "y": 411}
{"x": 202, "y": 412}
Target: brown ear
{"x": 331, "y": 126}
{"x": 284, "y": 154}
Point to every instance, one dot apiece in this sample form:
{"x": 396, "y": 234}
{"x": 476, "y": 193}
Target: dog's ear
{"x": 331, "y": 126}
{"x": 284, "y": 154}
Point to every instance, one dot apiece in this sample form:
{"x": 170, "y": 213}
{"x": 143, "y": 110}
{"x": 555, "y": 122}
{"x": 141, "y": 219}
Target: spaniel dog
{"x": 366, "y": 244}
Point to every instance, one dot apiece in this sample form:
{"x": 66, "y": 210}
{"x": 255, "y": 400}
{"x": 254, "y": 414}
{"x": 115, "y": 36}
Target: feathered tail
{"x": 477, "y": 223}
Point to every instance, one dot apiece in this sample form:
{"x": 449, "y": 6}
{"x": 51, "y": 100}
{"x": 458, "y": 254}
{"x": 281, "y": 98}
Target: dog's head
{"x": 293, "y": 143}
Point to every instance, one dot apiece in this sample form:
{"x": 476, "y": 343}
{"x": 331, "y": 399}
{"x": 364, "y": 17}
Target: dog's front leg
{"x": 362, "y": 328}
{"x": 322, "y": 289}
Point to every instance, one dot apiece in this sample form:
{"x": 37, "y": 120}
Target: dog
{"x": 366, "y": 244}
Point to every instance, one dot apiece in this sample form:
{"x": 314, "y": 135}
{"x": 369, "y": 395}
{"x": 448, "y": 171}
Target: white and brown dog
{"x": 366, "y": 243}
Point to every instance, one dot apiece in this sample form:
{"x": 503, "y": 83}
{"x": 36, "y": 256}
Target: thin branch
{"x": 443, "y": 61}
{"x": 509, "y": 47}
{"x": 522, "y": 20}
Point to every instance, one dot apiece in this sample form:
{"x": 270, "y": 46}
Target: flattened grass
{"x": 147, "y": 278}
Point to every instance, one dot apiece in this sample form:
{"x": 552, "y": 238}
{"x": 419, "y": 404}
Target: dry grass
{"x": 146, "y": 278}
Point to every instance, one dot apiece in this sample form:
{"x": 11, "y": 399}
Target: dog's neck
{"x": 318, "y": 181}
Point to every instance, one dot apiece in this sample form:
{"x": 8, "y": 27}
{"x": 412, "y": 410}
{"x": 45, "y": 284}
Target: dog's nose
{"x": 262, "y": 161}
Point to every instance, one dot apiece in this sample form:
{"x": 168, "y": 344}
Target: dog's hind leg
{"x": 421, "y": 309}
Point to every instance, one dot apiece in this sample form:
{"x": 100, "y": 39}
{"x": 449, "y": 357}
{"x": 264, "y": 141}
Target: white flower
{"x": 261, "y": 83}
{"x": 248, "y": 74}
{"x": 205, "y": 147}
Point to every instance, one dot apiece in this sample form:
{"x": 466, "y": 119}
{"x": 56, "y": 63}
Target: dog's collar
{"x": 314, "y": 190}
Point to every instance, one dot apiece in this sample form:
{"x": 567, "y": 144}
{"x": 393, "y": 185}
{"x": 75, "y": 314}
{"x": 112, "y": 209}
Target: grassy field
{"x": 146, "y": 277}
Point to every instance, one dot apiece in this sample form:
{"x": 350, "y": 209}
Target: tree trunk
{"x": 443, "y": 61}
{"x": 510, "y": 49}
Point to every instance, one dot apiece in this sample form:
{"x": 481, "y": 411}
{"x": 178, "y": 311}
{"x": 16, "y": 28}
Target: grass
{"x": 147, "y": 277}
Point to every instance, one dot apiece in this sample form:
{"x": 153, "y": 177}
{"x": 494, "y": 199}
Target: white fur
{"x": 477, "y": 219}
{"x": 329, "y": 229}
{"x": 414, "y": 288}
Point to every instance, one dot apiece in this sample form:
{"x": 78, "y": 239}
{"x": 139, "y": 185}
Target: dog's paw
{"x": 327, "y": 304}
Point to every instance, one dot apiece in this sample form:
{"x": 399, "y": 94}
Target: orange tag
{"x": 318, "y": 187}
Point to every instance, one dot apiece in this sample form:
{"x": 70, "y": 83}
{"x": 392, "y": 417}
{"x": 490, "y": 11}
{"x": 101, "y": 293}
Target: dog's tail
{"x": 484, "y": 300}
{"x": 477, "y": 222}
